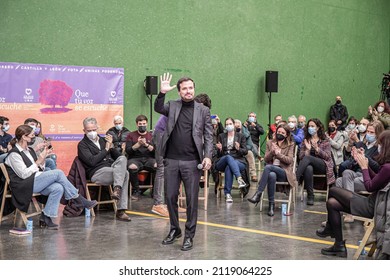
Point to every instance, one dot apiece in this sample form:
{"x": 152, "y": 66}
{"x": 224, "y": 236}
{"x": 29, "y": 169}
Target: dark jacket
{"x": 255, "y": 132}
{"x": 22, "y": 189}
{"x": 382, "y": 223}
{"x": 339, "y": 112}
{"x": 118, "y": 137}
{"x": 92, "y": 158}
{"x": 202, "y": 131}
{"x": 236, "y": 154}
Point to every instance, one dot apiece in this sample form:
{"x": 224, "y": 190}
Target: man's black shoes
{"x": 172, "y": 235}
{"x": 187, "y": 244}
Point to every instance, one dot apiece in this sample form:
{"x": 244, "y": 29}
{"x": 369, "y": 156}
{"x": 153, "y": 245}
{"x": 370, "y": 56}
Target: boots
{"x": 271, "y": 209}
{"x": 46, "y": 222}
{"x": 338, "y": 249}
{"x": 325, "y": 232}
{"x": 81, "y": 202}
{"x": 255, "y": 199}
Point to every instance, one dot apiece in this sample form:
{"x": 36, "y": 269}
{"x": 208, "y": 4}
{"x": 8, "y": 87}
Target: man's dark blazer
{"x": 202, "y": 130}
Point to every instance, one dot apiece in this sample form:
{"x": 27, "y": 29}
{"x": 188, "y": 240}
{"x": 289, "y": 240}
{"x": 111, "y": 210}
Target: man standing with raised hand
{"x": 186, "y": 143}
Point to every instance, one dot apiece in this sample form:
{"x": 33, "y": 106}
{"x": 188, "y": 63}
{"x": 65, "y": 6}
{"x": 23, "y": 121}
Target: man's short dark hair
{"x": 184, "y": 79}
{"x": 30, "y": 120}
{"x": 204, "y": 99}
{"x": 141, "y": 118}
{"x": 3, "y": 119}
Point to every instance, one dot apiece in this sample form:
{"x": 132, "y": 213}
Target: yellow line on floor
{"x": 269, "y": 233}
{"x": 315, "y": 212}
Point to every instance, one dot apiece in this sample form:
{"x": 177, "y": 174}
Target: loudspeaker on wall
{"x": 151, "y": 85}
{"x": 271, "y": 81}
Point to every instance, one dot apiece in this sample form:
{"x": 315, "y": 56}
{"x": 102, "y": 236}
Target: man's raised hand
{"x": 165, "y": 83}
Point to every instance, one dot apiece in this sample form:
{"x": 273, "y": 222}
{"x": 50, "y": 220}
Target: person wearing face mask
{"x": 345, "y": 201}
{"x": 250, "y": 157}
{"x": 5, "y": 138}
{"x": 273, "y": 126}
{"x": 255, "y": 129}
{"x": 336, "y": 139}
{"x": 140, "y": 153}
{"x": 231, "y": 151}
{"x": 352, "y": 176}
{"x": 104, "y": 165}
{"x": 315, "y": 158}
{"x": 26, "y": 177}
{"x": 279, "y": 157}
{"x": 339, "y": 113}
{"x": 296, "y": 132}
{"x": 119, "y": 134}
{"x": 380, "y": 112}
{"x": 301, "y": 122}
{"x": 361, "y": 129}
{"x": 39, "y": 143}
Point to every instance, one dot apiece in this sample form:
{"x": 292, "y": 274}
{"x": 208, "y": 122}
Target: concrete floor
{"x": 236, "y": 231}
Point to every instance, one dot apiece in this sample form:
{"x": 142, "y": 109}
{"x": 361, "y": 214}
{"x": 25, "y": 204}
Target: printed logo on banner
{"x": 113, "y": 99}
{"x": 27, "y": 97}
{"x": 55, "y": 93}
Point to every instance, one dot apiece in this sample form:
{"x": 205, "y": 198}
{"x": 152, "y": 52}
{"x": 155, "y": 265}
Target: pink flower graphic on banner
{"x": 54, "y": 93}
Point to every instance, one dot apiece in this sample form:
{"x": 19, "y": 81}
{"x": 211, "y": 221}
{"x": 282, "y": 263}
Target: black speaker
{"x": 271, "y": 81}
{"x": 151, "y": 85}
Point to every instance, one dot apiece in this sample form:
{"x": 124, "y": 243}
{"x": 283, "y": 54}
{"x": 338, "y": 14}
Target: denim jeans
{"x": 271, "y": 174}
{"x": 54, "y": 184}
{"x": 50, "y": 164}
{"x": 231, "y": 167}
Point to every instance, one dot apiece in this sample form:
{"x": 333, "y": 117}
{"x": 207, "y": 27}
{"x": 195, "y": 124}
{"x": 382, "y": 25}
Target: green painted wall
{"x": 320, "y": 48}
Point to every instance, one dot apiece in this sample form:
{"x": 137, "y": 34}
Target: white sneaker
{"x": 241, "y": 183}
{"x": 229, "y": 198}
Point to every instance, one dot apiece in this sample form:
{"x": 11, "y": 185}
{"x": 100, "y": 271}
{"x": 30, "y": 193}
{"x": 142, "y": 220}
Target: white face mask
{"x": 6, "y": 128}
{"x": 230, "y": 128}
{"x": 291, "y": 125}
{"x": 362, "y": 128}
{"x": 380, "y": 109}
{"x": 92, "y": 135}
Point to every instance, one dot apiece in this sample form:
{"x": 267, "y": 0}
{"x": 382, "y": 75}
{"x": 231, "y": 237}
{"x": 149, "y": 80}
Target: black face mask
{"x": 338, "y": 102}
{"x": 238, "y": 129}
{"x": 32, "y": 142}
{"x": 280, "y": 137}
{"x": 331, "y": 129}
{"x": 142, "y": 128}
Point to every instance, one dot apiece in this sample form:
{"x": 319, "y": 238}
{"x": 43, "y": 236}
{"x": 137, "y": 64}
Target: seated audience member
{"x": 380, "y": 112}
{"x": 104, "y": 165}
{"x": 339, "y": 113}
{"x": 39, "y": 143}
{"x": 374, "y": 129}
{"x": 5, "y": 138}
{"x": 351, "y": 126}
{"x": 315, "y": 157}
{"x": 352, "y": 176}
{"x": 231, "y": 151}
{"x": 249, "y": 146}
{"x": 140, "y": 152}
{"x": 26, "y": 177}
{"x": 279, "y": 158}
{"x": 273, "y": 126}
{"x": 342, "y": 200}
{"x": 255, "y": 129}
{"x": 217, "y": 127}
{"x": 361, "y": 130}
{"x": 336, "y": 139}
{"x": 119, "y": 134}
{"x": 301, "y": 121}
{"x": 296, "y": 132}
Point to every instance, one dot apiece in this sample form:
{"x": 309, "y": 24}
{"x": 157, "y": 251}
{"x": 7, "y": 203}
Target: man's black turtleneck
{"x": 181, "y": 145}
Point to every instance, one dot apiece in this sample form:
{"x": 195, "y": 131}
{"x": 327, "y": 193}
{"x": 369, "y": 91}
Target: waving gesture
{"x": 165, "y": 83}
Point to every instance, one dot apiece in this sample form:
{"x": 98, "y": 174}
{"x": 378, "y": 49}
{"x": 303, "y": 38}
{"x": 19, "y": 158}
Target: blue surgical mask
{"x": 229, "y": 128}
{"x": 6, "y": 128}
{"x": 351, "y": 126}
{"x": 37, "y": 130}
{"x": 370, "y": 138}
{"x": 312, "y": 130}
{"x": 251, "y": 119}
{"x": 119, "y": 127}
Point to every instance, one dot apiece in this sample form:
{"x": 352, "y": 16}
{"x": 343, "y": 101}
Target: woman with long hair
{"x": 315, "y": 157}
{"x": 279, "y": 157}
{"x": 26, "y": 177}
{"x": 345, "y": 201}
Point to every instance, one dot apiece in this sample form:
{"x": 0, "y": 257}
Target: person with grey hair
{"x": 301, "y": 121}
{"x": 104, "y": 164}
{"x": 119, "y": 134}
{"x": 296, "y": 132}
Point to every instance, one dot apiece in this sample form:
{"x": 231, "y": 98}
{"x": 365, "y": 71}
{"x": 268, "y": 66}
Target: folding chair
{"x": 7, "y": 194}
{"x": 99, "y": 201}
{"x": 291, "y": 194}
{"x": 142, "y": 176}
{"x": 368, "y": 227}
{"x": 204, "y": 179}
{"x": 326, "y": 191}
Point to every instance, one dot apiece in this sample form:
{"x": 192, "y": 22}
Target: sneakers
{"x": 241, "y": 183}
{"x": 348, "y": 218}
{"x": 160, "y": 210}
{"x": 229, "y": 198}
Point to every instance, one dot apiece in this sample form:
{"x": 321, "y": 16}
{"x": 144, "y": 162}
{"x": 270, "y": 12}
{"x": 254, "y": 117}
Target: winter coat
{"x": 382, "y": 223}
